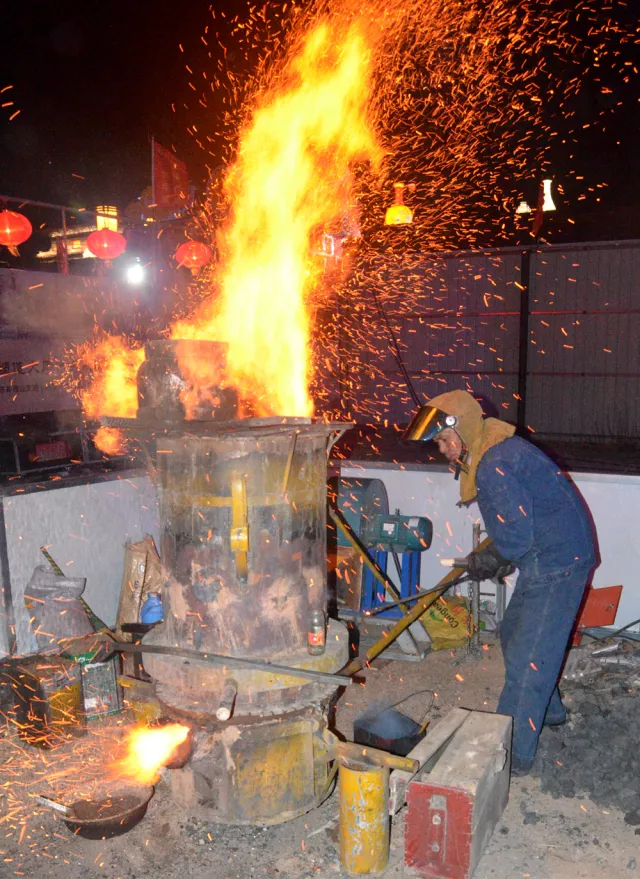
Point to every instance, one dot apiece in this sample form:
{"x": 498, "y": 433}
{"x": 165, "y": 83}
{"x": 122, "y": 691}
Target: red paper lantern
{"x": 193, "y": 255}
{"x": 14, "y": 228}
{"x": 106, "y": 244}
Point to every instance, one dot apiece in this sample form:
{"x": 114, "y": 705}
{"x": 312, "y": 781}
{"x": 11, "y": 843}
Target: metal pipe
{"x": 344, "y": 527}
{"x": 423, "y": 603}
{"x": 227, "y": 701}
{"x": 338, "y": 680}
{"x": 287, "y": 469}
{"x": 388, "y": 604}
{"x": 523, "y": 344}
{"x": 374, "y": 757}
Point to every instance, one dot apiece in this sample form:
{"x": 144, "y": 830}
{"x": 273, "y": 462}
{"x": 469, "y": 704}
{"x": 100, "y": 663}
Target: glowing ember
{"x": 148, "y": 750}
{"x": 289, "y": 178}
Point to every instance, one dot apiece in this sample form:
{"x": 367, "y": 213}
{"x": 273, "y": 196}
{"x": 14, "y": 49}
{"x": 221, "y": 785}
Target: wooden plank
{"x": 424, "y": 752}
{"x": 479, "y": 748}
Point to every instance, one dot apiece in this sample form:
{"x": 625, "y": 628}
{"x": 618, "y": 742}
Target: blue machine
{"x": 365, "y": 506}
{"x": 372, "y": 593}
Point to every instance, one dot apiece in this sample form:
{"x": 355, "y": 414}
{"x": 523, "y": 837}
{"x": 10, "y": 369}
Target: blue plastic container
{"x": 152, "y": 609}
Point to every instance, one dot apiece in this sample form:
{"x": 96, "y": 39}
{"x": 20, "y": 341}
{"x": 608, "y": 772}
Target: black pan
{"x": 110, "y": 815}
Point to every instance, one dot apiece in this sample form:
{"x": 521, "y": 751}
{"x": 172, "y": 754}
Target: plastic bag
{"x": 142, "y": 575}
{"x": 487, "y": 620}
{"x": 55, "y": 611}
{"x": 447, "y": 622}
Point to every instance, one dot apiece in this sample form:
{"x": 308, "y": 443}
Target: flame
{"x": 290, "y": 177}
{"x": 148, "y": 750}
{"x": 110, "y": 440}
{"x": 112, "y": 389}
{"x": 203, "y": 375}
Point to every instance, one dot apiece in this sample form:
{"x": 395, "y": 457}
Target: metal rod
{"x": 287, "y": 469}
{"x": 474, "y": 634}
{"x": 340, "y": 522}
{"x": 57, "y": 207}
{"x": 52, "y": 804}
{"x": 523, "y": 346}
{"x": 423, "y": 603}
{"x": 65, "y": 243}
{"x": 389, "y": 637}
{"x": 338, "y": 680}
{"x": 415, "y": 597}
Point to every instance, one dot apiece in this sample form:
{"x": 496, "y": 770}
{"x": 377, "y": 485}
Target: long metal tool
{"x": 382, "y": 607}
{"x": 451, "y": 579}
{"x": 389, "y": 586}
{"x": 338, "y": 680}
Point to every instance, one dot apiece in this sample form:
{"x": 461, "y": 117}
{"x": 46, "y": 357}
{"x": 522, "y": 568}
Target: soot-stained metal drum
{"x": 181, "y": 380}
{"x": 243, "y": 519}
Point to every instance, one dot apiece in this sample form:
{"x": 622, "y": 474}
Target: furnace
{"x": 243, "y": 546}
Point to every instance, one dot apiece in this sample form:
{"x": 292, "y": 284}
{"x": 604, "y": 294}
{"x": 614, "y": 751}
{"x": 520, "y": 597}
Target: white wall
{"x": 614, "y": 502}
{"x": 86, "y": 528}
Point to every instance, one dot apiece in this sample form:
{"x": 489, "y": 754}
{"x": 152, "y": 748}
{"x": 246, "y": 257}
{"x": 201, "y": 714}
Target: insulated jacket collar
{"x": 477, "y": 433}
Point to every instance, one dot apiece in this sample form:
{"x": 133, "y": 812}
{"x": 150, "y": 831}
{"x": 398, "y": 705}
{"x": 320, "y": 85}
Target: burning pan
{"x": 110, "y": 816}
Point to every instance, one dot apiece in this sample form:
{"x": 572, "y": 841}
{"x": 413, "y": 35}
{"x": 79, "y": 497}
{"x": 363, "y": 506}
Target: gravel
{"x": 597, "y": 752}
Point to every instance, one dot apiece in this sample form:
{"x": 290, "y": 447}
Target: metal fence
{"x": 548, "y": 336}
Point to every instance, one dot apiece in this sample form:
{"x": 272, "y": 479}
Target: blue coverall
{"x": 539, "y": 522}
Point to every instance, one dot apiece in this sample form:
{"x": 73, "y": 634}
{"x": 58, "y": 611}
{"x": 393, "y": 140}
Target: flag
{"x": 169, "y": 178}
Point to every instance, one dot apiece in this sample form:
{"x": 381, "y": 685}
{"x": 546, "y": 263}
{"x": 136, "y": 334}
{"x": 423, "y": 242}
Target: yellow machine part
{"x": 239, "y": 537}
{"x": 364, "y": 817}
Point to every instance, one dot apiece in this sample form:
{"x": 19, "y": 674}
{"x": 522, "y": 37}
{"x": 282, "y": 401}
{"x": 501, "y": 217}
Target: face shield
{"x": 427, "y": 423}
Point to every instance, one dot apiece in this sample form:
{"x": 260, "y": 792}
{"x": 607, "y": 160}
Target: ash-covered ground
{"x": 542, "y": 834}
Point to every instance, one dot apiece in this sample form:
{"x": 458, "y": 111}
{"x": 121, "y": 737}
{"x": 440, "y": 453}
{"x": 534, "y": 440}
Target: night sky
{"x": 94, "y": 80}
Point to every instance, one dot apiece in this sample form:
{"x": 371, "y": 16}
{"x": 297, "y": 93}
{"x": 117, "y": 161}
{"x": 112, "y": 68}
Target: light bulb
{"x": 547, "y": 200}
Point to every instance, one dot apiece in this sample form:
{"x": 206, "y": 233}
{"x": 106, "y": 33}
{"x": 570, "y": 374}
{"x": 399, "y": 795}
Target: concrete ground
{"x": 538, "y": 837}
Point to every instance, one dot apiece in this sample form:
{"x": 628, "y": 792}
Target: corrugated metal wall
{"x": 584, "y": 357}
{"x": 457, "y": 322}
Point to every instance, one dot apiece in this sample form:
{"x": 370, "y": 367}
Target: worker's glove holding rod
{"x": 484, "y": 564}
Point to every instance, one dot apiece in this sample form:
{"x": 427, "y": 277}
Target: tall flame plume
{"x": 289, "y": 178}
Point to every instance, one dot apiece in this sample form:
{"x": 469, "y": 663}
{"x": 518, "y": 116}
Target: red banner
{"x": 170, "y": 179}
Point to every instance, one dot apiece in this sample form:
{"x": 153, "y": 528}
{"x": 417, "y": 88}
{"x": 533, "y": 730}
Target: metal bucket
{"x": 389, "y": 730}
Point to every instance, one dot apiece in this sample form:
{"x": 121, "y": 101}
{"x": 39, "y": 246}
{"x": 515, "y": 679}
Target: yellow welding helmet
{"x": 427, "y": 423}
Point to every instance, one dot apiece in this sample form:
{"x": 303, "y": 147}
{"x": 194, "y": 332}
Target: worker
{"x": 538, "y": 523}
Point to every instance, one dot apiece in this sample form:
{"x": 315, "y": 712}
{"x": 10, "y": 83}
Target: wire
{"x": 418, "y": 693}
{"x": 396, "y": 350}
{"x": 612, "y": 634}
{"x": 411, "y": 695}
